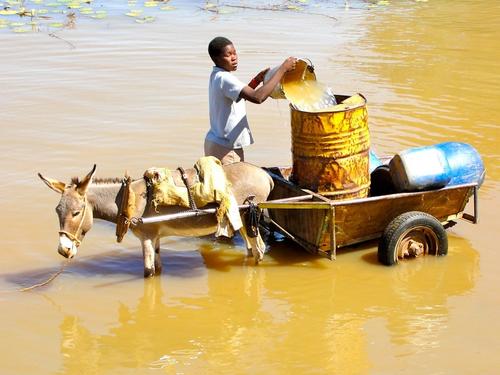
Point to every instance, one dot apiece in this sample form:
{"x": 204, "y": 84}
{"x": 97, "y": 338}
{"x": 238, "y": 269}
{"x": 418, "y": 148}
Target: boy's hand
{"x": 289, "y": 64}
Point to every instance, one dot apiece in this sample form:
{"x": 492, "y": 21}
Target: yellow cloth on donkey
{"x": 213, "y": 187}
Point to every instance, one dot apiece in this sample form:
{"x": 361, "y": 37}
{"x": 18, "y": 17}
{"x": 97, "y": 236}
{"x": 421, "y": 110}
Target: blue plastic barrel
{"x": 464, "y": 161}
{"x": 436, "y": 166}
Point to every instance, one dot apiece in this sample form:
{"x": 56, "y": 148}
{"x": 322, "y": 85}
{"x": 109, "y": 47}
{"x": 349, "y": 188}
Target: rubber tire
{"x": 401, "y": 224}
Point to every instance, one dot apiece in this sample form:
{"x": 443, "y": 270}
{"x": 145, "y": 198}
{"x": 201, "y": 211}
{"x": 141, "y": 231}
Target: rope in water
{"x": 49, "y": 280}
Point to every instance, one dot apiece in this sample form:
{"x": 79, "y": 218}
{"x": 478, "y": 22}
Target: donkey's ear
{"x": 55, "y": 185}
{"x": 83, "y": 186}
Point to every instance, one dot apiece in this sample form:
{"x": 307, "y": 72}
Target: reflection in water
{"x": 254, "y": 316}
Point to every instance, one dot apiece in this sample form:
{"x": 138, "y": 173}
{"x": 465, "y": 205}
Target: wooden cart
{"x": 408, "y": 224}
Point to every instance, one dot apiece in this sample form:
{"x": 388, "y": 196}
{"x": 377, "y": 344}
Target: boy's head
{"x": 223, "y": 53}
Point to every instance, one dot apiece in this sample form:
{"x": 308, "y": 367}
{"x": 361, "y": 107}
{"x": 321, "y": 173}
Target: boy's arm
{"x": 258, "y": 96}
{"x": 258, "y": 79}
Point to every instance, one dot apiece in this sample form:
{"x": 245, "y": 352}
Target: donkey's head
{"x": 74, "y": 212}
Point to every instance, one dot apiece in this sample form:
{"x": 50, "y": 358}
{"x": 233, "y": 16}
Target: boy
{"x": 229, "y": 131}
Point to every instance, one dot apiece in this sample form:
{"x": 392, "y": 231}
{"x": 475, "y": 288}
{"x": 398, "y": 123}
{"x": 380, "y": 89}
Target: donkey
{"x": 82, "y": 201}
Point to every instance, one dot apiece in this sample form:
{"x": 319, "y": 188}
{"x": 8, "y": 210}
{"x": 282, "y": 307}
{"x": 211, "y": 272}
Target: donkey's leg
{"x": 158, "y": 264}
{"x": 255, "y": 246}
{"x": 244, "y": 235}
{"x": 148, "y": 252}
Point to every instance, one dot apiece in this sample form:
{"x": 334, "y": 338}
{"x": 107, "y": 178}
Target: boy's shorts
{"x": 224, "y": 154}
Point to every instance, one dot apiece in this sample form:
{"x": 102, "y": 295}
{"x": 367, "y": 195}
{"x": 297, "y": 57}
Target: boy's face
{"x": 228, "y": 59}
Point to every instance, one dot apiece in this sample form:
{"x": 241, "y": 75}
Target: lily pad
{"x": 134, "y": 13}
{"x": 20, "y": 30}
{"x": 99, "y": 16}
{"x": 7, "y": 12}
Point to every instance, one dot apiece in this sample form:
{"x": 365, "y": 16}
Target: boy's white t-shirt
{"x": 228, "y": 116}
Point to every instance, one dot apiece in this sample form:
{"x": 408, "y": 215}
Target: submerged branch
{"x": 278, "y": 8}
{"x": 64, "y": 40}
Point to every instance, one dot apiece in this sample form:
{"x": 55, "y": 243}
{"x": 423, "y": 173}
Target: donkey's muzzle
{"x": 66, "y": 248}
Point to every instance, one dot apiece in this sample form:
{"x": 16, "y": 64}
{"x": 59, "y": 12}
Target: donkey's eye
{"x": 76, "y": 213}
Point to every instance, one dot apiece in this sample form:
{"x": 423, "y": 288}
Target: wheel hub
{"x": 417, "y": 242}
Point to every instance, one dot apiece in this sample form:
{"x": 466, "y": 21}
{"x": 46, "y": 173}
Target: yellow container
{"x": 303, "y": 72}
{"x": 330, "y": 149}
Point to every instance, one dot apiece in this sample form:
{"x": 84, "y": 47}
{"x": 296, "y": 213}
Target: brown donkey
{"x": 82, "y": 201}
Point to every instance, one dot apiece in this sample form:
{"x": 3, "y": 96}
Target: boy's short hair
{"x": 216, "y": 46}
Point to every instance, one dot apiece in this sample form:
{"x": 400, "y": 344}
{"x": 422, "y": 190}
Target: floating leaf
{"x": 99, "y": 16}
{"x": 20, "y": 30}
{"x": 7, "y": 12}
{"x": 134, "y": 13}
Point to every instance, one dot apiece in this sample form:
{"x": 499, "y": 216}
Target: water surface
{"x": 128, "y": 96}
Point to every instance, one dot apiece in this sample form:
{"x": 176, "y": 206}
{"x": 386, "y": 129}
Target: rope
{"x": 252, "y": 217}
{"x": 74, "y": 239}
{"x": 192, "y": 204}
{"x": 50, "y": 279}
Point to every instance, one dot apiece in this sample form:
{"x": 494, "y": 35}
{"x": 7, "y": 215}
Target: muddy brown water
{"x": 128, "y": 96}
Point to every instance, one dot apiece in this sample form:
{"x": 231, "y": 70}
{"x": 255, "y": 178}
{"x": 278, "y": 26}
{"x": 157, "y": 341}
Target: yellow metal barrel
{"x": 330, "y": 149}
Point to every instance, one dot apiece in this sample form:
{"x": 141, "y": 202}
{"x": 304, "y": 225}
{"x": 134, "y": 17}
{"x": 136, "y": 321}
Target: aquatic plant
{"x": 23, "y": 16}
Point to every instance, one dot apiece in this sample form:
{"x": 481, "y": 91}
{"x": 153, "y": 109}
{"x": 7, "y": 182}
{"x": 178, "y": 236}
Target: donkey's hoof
{"x": 258, "y": 259}
{"x": 149, "y": 272}
{"x": 249, "y": 253}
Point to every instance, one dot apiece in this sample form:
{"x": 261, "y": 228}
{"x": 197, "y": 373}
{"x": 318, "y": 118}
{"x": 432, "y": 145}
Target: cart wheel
{"x": 410, "y": 235}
